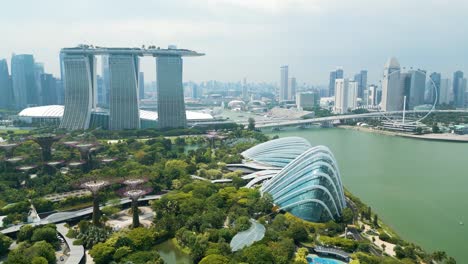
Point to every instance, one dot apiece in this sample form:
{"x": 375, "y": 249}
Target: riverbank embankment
{"x": 434, "y": 137}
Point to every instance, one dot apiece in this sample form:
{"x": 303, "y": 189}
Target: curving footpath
{"x": 77, "y": 253}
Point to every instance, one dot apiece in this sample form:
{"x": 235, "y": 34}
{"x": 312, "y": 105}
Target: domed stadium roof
{"x": 309, "y": 187}
{"x": 279, "y": 152}
{"x": 43, "y": 111}
{"x": 56, "y": 111}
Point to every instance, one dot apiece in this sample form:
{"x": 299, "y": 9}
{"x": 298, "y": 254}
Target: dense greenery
{"x": 201, "y": 217}
{"x": 35, "y": 243}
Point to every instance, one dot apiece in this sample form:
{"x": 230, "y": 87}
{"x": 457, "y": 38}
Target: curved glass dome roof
{"x": 309, "y": 187}
{"x": 279, "y": 152}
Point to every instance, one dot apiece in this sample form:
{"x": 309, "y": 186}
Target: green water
{"x": 171, "y": 254}
{"x": 419, "y": 188}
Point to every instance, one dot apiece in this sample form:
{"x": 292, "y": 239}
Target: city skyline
{"x": 217, "y": 28}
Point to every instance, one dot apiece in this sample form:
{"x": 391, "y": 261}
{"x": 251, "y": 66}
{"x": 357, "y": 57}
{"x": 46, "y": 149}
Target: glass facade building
{"x": 279, "y": 152}
{"x": 80, "y": 82}
{"x": 5, "y": 86}
{"x": 308, "y": 184}
{"x": 24, "y": 82}
{"x": 123, "y": 99}
{"x": 171, "y": 105}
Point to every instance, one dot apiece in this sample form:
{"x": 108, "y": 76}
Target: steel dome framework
{"x": 309, "y": 184}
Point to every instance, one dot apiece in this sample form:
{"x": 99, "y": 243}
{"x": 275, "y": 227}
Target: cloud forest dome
{"x": 309, "y": 187}
{"x": 278, "y": 152}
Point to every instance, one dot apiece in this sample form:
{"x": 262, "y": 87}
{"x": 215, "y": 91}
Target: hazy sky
{"x": 249, "y": 38}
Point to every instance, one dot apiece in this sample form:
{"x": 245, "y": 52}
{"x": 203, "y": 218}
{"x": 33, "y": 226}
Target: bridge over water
{"x": 328, "y": 119}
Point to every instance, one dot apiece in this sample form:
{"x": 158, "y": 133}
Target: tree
{"x": 251, "y": 125}
{"x": 451, "y": 260}
{"x": 214, "y": 259}
{"x": 435, "y": 128}
{"x": 242, "y": 223}
{"x": 439, "y": 255}
{"x": 369, "y": 213}
{"x": 348, "y": 216}
{"x": 258, "y": 254}
{"x": 301, "y": 255}
{"x": 376, "y": 220}
{"x": 298, "y": 232}
{"x": 39, "y": 260}
{"x": 41, "y": 249}
{"x": 5, "y": 243}
{"x": 102, "y": 253}
{"x": 47, "y": 234}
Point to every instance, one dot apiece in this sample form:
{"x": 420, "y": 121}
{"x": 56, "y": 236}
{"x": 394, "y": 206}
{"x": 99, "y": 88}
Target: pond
{"x": 171, "y": 254}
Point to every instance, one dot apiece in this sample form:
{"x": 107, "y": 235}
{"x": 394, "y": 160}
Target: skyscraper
{"x": 80, "y": 89}
{"x": 445, "y": 91}
{"x": 141, "y": 85}
{"x": 353, "y": 88}
{"x": 341, "y": 96}
{"x": 123, "y": 98}
{"x": 433, "y": 88}
{"x": 24, "y": 83}
{"x": 37, "y": 97}
{"x": 171, "y": 105}
{"x": 372, "y": 100}
{"x": 245, "y": 90}
{"x": 392, "y": 88}
{"x": 361, "y": 79}
{"x": 458, "y": 92}
{"x": 283, "y": 92}
{"x": 337, "y": 74}
{"x": 5, "y": 86}
{"x": 292, "y": 88}
{"x": 415, "y": 87}
{"x": 48, "y": 90}
{"x": 105, "y": 81}
{"x": 462, "y": 85}
{"x": 331, "y": 85}
{"x": 60, "y": 92}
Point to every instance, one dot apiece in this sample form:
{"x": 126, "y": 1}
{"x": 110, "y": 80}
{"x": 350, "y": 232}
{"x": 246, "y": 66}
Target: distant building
{"x": 458, "y": 92}
{"x": 372, "y": 95}
{"x": 445, "y": 91}
{"x": 5, "y": 86}
{"x": 24, "y": 83}
{"x": 196, "y": 91}
{"x": 49, "y": 89}
{"x": 171, "y": 106}
{"x": 60, "y": 92}
{"x": 141, "y": 85}
{"x": 392, "y": 88}
{"x": 38, "y": 72}
{"x": 292, "y": 88}
{"x": 415, "y": 86}
{"x": 123, "y": 98}
{"x": 341, "y": 96}
{"x": 353, "y": 89}
{"x": 306, "y": 100}
{"x": 245, "y": 90}
{"x": 433, "y": 87}
{"x": 361, "y": 79}
{"x": 337, "y": 74}
{"x": 283, "y": 91}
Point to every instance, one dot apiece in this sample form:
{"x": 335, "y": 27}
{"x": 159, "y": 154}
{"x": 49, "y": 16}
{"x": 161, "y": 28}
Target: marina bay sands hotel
{"x": 78, "y": 67}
